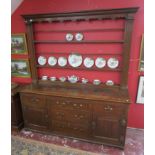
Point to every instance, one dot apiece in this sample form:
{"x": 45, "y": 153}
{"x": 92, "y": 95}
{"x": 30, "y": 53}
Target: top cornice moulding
{"x": 83, "y": 15}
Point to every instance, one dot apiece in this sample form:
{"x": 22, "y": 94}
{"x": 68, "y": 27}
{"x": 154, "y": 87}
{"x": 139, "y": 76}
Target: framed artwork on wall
{"x": 18, "y": 44}
{"x": 140, "y": 94}
{"x": 141, "y": 59}
{"x": 20, "y": 68}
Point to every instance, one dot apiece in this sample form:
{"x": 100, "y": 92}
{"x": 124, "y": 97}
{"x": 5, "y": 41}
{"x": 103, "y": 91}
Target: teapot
{"x": 73, "y": 79}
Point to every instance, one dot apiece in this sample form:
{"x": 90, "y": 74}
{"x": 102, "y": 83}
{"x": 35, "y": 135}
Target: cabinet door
{"x": 35, "y": 118}
{"x": 109, "y": 122}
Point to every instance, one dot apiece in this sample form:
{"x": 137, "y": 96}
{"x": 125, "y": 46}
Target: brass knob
{"x": 81, "y": 105}
{"x": 63, "y": 103}
{"x": 81, "y": 116}
{"x": 74, "y": 105}
{"x": 57, "y": 102}
{"x": 75, "y": 115}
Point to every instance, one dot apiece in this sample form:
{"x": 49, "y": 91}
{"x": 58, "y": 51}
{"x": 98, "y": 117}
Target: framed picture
{"x": 18, "y": 44}
{"x": 20, "y": 68}
{"x": 141, "y": 59}
{"x": 140, "y": 94}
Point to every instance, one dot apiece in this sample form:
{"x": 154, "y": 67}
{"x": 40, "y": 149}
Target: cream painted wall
{"x": 15, "y": 4}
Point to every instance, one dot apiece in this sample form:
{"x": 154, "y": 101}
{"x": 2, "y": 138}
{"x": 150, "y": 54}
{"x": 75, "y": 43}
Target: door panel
{"x": 36, "y": 118}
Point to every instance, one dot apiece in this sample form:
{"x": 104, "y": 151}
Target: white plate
{"x": 79, "y": 36}
{"x": 100, "y": 62}
{"x": 113, "y": 63}
{"x": 88, "y": 62}
{"x": 75, "y": 60}
{"x": 52, "y": 61}
{"x": 69, "y": 37}
{"x": 42, "y": 60}
{"x": 62, "y": 61}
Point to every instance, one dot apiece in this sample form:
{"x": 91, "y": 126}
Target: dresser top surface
{"x": 82, "y": 91}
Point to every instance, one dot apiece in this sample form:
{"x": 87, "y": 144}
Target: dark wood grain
{"x": 82, "y": 15}
{"x": 126, "y": 53}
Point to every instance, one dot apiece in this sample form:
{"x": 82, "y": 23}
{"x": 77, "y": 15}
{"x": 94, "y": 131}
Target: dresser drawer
{"x": 108, "y": 109}
{"x": 71, "y": 128}
{"x": 71, "y": 115}
{"x": 68, "y": 103}
{"x": 33, "y": 100}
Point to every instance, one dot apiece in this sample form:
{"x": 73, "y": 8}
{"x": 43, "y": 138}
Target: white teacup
{"x": 96, "y": 82}
{"x": 53, "y": 78}
{"x": 84, "y": 81}
{"x": 62, "y": 79}
{"x": 110, "y": 83}
{"x": 44, "y": 77}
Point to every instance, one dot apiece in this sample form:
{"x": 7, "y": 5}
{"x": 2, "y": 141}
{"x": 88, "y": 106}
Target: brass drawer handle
{"x": 60, "y": 114}
{"x": 74, "y": 105}
{"x": 63, "y": 103}
{"x": 81, "y": 116}
{"x": 35, "y": 100}
{"x": 108, "y": 108}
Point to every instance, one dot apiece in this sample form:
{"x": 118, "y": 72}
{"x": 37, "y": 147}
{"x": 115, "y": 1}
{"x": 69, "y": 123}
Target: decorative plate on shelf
{"x": 62, "y": 61}
{"x": 100, "y": 62}
{"x": 79, "y": 36}
{"x": 113, "y": 63}
{"x": 52, "y": 61}
{"x": 88, "y": 62}
{"x": 69, "y": 37}
{"x": 75, "y": 60}
{"x": 42, "y": 60}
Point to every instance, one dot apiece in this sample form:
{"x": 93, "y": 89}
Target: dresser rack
{"x": 87, "y": 112}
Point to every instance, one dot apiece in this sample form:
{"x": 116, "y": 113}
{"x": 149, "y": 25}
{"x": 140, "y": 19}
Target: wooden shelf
{"x": 84, "y": 30}
{"x": 78, "y": 42}
{"x": 77, "y": 85}
{"x": 106, "y": 69}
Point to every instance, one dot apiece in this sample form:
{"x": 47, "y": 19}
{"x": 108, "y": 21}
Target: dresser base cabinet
{"x": 89, "y": 117}
{"x": 16, "y": 109}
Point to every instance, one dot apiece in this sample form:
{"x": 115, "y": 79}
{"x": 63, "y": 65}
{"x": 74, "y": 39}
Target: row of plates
{"x": 78, "y": 36}
{"x": 75, "y": 60}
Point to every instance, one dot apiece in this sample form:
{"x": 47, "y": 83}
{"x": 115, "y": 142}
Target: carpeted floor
{"x": 24, "y": 146}
{"x": 32, "y": 143}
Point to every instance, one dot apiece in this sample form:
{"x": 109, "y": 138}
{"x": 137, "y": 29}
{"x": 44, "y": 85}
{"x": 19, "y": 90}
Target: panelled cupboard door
{"x": 35, "y": 118}
{"x": 109, "y": 123}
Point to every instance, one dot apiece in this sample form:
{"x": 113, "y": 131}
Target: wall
{"x": 136, "y": 112}
{"x": 15, "y": 4}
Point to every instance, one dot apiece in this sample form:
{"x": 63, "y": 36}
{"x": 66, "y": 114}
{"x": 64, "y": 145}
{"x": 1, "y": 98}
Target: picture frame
{"x": 18, "y": 44}
{"x": 20, "y": 68}
{"x": 140, "y": 94}
{"x": 141, "y": 59}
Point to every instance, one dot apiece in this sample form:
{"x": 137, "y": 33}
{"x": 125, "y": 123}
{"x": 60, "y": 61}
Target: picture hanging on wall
{"x": 141, "y": 59}
{"x": 18, "y": 44}
{"x": 20, "y": 68}
{"x": 140, "y": 94}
